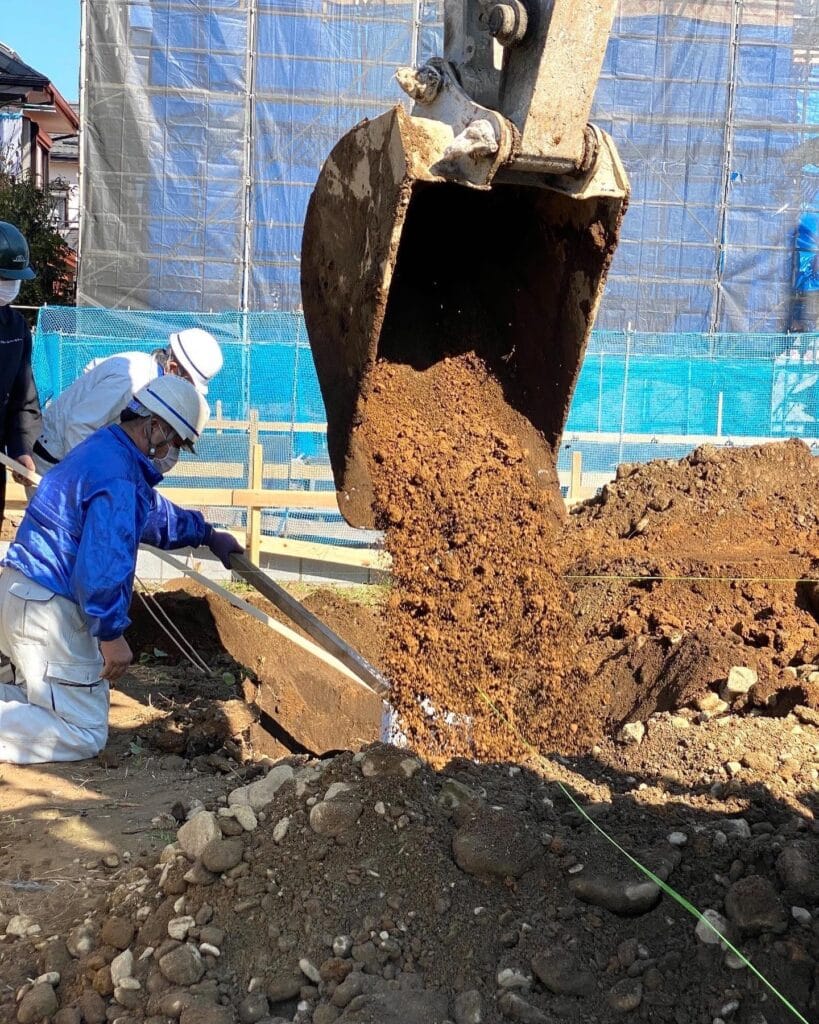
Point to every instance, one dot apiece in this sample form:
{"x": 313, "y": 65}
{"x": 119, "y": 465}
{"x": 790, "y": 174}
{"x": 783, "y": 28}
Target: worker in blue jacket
{"x": 66, "y": 585}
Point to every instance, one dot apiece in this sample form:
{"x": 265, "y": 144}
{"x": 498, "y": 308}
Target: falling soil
{"x": 642, "y": 602}
{"x": 479, "y": 612}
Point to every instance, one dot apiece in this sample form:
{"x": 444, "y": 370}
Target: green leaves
{"x": 31, "y": 209}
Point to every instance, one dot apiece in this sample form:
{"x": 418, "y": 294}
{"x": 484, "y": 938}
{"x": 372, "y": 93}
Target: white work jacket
{"x": 95, "y": 400}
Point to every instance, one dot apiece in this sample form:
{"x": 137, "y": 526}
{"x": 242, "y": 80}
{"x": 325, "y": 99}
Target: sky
{"x": 46, "y": 34}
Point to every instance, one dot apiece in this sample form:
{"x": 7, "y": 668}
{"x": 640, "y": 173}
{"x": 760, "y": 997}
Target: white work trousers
{"x": 57, "y": 708}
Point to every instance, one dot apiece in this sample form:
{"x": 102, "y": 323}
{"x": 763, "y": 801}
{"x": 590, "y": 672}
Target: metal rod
{"x": 313, "y": 626}
{"x": 315, "y": 650}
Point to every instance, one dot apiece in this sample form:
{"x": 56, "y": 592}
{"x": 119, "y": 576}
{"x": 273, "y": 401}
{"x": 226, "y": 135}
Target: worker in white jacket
{"x": 106, "y": 387}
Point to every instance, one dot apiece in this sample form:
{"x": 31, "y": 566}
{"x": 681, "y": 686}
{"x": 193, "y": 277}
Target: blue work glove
{"x": 223, "y": 545}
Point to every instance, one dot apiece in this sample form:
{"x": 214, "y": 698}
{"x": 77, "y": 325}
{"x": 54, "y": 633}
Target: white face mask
{"x": 167, "y": 462}
{"x": 9, "y": 290}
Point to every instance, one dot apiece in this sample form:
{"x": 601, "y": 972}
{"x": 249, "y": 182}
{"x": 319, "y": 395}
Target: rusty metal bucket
{"x": 400, "y": 263}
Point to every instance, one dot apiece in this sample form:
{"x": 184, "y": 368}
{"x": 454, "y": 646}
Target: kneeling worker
{"x": 66, "y": 585}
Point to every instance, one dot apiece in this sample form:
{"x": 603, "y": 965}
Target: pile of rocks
{"x": 369, "y": 888}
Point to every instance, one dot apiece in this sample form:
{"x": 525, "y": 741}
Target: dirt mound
{"x": 297, "y": 898}
{"x": 683, "y": 570}
{"x": 644, "y": 600}
{"x": 749, "y": 502}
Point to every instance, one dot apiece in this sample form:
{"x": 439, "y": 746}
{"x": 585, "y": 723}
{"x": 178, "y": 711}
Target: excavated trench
{"x": 296, "y": 704}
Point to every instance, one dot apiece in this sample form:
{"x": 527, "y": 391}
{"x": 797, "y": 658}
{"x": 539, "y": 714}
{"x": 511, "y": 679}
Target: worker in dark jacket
{"x": 20, "y": 422}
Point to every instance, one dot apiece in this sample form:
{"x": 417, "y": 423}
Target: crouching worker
{"x": 65, "y": 588}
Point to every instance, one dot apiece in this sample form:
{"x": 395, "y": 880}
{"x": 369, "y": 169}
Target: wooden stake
{"x": 576, "y": 478}
{"x": 254, "y": 512}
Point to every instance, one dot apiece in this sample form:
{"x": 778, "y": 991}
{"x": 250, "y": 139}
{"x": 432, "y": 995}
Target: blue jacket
{"x": 806, "y": 275}
{"x": 82, "y": 529}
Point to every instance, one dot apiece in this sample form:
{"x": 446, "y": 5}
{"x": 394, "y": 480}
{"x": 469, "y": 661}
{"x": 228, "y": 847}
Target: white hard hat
{"x": 178, "y": 403}
{"x": 199, "y": 353}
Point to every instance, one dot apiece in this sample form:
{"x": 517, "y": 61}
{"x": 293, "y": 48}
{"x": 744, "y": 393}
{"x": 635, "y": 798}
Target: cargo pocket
{"x": 77, "y": 694}
{"x": 36, "y": 621}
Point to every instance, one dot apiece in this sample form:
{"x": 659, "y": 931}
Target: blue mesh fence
{"x": 645, "y": 396}
{"x": 640, "y": 396}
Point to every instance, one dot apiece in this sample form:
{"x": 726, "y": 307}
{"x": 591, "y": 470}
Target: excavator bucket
{"x": 400, "y": 262}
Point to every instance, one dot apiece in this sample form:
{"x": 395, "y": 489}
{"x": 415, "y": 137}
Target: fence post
{"x": 254, "y": 513}
{"x": 576, "y": 476}
{"x": 253, "y": 428}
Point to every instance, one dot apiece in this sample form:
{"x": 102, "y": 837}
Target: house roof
{"x": 18, "y": 79}
{"x": 66, "y": 147}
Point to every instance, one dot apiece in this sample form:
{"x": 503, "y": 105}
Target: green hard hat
{"x": 13, "y": 254}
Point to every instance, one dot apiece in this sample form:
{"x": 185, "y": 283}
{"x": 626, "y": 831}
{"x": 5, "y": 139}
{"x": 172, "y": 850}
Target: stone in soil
{"x": 194, "y": 835}
{"x": 515, "y": 1007}
{"x": 798, "y": 870}
{"x": 335, "y": 817}
{"x": 39, "y": 1002}
{"x": 753, "y": 906}
{"x": 122, "y": 966}
{"x": 182, "y": 966}
{"x": 92, "y": 1007}
{"x": 117, "y": 932}
{"x": 259, "y": 794}
{"x": 389, "y": 762}
{"x": 494, "y": 843}
{"x": 626, "y": 995}
{"x": 284, "y": 985}
{"x": 469, "y": 1007}
{"x": 741, "y": 680}
{"x": 21, "y": 925}
{"x": 394, "y": 1006}
{"x": 626, "y": 897}
{"x": 560, "y": 972}
{"x": 221, "y": 855}
{"x": 253, "y": 1007}
{"x": 712, "y": 936}
{"x": 246, "y": 817}
{"x": 68, "y": 1015}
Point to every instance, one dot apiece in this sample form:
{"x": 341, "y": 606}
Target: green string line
{"x": 664, "y": 886}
